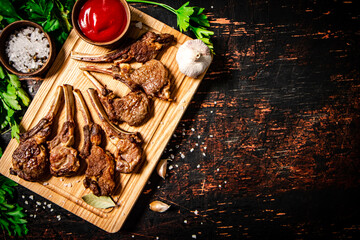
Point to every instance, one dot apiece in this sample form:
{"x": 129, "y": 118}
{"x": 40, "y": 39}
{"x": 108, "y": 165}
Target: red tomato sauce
{"x": 102, "y": 20}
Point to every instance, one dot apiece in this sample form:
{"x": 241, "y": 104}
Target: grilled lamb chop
{"x": 152, "y": 77}
{"x": 134, "y": 108}
{"x": 63, "y": 158}
{"x": 128, "y": 145}
{"x": 30, "y": 160}
{"x": 143, "y": 50}
{"x": 99, "y": 175}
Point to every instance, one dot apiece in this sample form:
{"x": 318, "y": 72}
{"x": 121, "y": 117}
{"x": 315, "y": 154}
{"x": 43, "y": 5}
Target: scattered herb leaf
{"x": 99, "y": 202}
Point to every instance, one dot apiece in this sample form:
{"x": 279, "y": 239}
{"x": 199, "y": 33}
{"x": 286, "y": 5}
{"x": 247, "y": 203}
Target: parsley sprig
{"x": 189, "y": 18}
{"x": 13, "y": 101}
{"x": 12, "y": 218}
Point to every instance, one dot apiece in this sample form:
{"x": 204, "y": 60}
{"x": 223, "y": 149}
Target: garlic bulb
{"x": 193, "y": 57}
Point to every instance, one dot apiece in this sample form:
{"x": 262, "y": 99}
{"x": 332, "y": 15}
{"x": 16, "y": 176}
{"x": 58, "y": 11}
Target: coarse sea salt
{"x": 28, "y": 49}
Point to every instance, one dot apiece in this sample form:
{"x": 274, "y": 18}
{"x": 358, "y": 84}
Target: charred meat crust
{"x": 142, "y": 50}
{"x": 128, "y": 145}
{"x": 100, "y": 171}
{"x": 152, "y": 77}
{"x": 30, "y": 159}
{"x": 63, "y": 157}
{"x": 133, "y": 108}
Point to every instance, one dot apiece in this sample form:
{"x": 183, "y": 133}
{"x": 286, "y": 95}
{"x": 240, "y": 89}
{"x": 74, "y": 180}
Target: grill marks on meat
{"x": 99, "y": 175}
{"x": 152, "y": 77}
{"x": 143, "y": 50}
{"x": 133, "y": 108}
{"x": 29, "y": 159}
{"x": 128, "y": 145}
{"x": 63, "y": 157}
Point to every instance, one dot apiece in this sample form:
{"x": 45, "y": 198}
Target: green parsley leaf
{"x": 183, "y": 16}
{"x": 8, "y": 12}
{"x": 51, "y": 25}
{"x": 199, "y": 17}
{"x": 12, "y": 99}
{"x": 2, "y": 73}
{"x": 12, "y": 217}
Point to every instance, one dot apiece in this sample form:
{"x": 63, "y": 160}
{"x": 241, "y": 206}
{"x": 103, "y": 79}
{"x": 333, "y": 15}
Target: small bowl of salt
{"x": 26, "y": 49}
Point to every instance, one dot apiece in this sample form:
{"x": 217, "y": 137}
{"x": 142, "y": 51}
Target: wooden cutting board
{"x": 68, "y": 192}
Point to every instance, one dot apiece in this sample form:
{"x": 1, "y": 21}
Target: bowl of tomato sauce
{"x": 101, "y": 22}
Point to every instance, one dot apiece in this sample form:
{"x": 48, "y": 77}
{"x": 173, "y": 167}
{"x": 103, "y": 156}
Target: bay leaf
{"x": 99, "y": 201}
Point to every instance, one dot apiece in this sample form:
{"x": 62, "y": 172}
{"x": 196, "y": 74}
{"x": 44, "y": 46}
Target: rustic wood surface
{"x": 269, "y": 146}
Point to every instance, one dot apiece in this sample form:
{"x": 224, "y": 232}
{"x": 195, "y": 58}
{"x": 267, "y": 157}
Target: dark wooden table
{"x": 269, "y": 146}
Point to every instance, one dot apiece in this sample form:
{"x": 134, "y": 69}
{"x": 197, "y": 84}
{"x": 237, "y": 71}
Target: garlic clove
{"x": 193, "y": 58}
{"x": 161, "y": 168}
{"x": 158, "y": 206}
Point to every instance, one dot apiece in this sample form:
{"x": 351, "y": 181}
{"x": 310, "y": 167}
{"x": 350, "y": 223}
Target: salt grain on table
{"x": 138, "y": 25}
